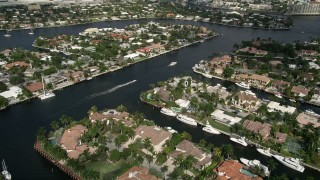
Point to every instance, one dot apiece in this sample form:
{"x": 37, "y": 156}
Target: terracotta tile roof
{"x": 281, "y": 137}
{"x": 70, "y": 137}
{"x": 95, "y": 116}
{"x": 16, "y": 63}
{"x": 186, "y": 148}
{"x": 305, "y": 119}
{"x": 137, "y": 173}
{"x": 34, "y": 87}
{"x": 243, "y": 96}
{"x": 231, "y": 170}
{"x": 156, "y": 134}
{"x": 221, "y": 60}
{"x": 300, "y": 90}
{"x": 257, "y": 127}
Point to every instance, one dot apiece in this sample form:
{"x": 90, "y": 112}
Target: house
{"x": 281, "y": 137}
{"x": 157, "y": 135}
{"x": 280, "y": 85}
{"x": 34, "y": 87}
{"x": 304, "y": 119}
{"x": 186, "y": 148}
{"x": 95, "y": 116}
{"x": 276, "y": 107}
{"x": 137, "y": 173}
{"x": 258, "y": 127}
{"x": 253, "y": 50}
{"x": 300, "y": 91}
{"x": 12, "y": 93}
{"x": 232, "y": 169}
{"x": 223, "y": 118}
{"x": 29, "y": 72}
{"x": 77, "y": 76}
{"x": 219, "y": 90}
{"x": 119, "y": 116}
{"x": 223, "y": 61}
{"x": 163, "y": 93}
{"x": 21, "y": 64}
{"x": 246, "y": 100}
{"x": 183, "y": 103}
{"x": 253, "y": 79}
{"x": 70, "y": 141}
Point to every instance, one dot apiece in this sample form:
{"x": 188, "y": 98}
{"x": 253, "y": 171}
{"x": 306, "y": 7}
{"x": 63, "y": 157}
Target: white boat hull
{"x": 168, "y": 112}
{"x": 296, "y": 167}
{"x": 239, "y": 141}
{"x": 46, "y": 96}
{"x": 264, "y": 152}
{"x": 187, "y": 120}
{"x": 210, "y": 130}
{"x": 243, "y": 86}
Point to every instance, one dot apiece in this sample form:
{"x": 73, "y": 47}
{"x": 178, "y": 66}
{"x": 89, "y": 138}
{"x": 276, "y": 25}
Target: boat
{"x": 209, "y": 129}
{"x": 309, "y": 111}
{"x": 187, "y": 120}
{"x": 8, "y": 34}
{"x": 169, "y": 129}
{"x": 5, "y": 173}
{"x": 254, "y": 163}
{"x": 278, "y": 95}
{"x": 265, "y": 152}
{"x": 266, "y": 100}
{"x": 243, "y": 85}
{"x": 292, "y": 100}
{"x": 172, "y": 63}
{"x": 240, "y": 140}
{"x": 207, "y": 75}
{"x": 89, "y": 78}
{"x": 168, "y": 112}
{"x": 45, "y": 95}
{"x": 292, "y": 163}
{"x": 302, "y": 32}
{"x": 31, "y": 31}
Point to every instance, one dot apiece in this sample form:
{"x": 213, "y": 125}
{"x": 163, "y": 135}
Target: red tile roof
{"x": 137, "y": 173}
{"x": 34, "y": 87}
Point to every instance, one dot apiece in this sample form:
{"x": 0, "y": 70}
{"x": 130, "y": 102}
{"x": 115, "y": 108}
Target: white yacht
{"x": 290, "y": 162}
{"x": 278, "y": 95}
{"x": 187, "y": 120}
{"x": 5, "y": 173}
{"x": 172, "y": 63}
{"x": 243, "y": 85}
{"x": 292, "y": 100}
{"x": 168, "y": 112}
{"x": 253, "y": 163}
{"x": 240, "y": 140}
{"x": 265, "y": 152}
{"x": 31, "y": 32}
{"x": 207, "y": 75}
{"x": 45, "y": 95}
{"x": 169, "y": 129}
{"x": 209, "y": 129}
{"x": 8, "y": 34}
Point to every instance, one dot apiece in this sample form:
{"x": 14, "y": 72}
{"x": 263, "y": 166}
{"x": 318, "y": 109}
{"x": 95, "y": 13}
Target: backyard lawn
{"x": 108, "y": 170}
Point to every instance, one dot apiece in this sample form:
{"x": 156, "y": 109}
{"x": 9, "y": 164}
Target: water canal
{"x": 19, "y": 123}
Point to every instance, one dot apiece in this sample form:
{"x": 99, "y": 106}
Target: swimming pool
{"x": 247, "y": 172}
{"x": 175, "y": 109}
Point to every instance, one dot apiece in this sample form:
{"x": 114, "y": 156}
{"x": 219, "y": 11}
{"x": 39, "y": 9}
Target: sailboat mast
{"x": 43, "y": 85}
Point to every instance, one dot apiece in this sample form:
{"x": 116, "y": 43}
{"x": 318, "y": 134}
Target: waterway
{"x": 19, "y": 123}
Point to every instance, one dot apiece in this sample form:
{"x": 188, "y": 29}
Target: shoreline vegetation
{"x": 205, "y": 103}
{"x": 144, "y": 54}
{"x": 139, "y": 10}
{"x": 107, "y": 143}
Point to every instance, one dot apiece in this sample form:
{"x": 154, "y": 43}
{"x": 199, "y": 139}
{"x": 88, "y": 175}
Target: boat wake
{"x": 112, "y": 89}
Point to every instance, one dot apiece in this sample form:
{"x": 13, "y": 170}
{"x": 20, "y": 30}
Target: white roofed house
{"x": 12, "y": 94}
{"x": 246, "y": 100}
{"x": 275, "y": 106}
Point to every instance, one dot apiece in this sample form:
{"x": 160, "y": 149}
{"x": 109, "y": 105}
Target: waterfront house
{"x": 280, "y": 85}
{"x": 137, "y": 173}
{"x": 281, "y": 137}
{"x": 157, "y": 135}
{"x": 258, "y": 127}
{"x": 219, "y": 90}
{"x": 183, "y": 103}
{"x": 232, "y": 169}
{"x": 223, "y": 61}
{"x": 186, "y": 148}
{"x": 246, "y": 100}
{"x": 96, "y": 116}
{"x": 253, "y": 50}
{"x": 304, "y": 119}
{"x": 122, "y": 117}
{"x": 164, "y": 94}
{"x": 77, "y": 76}
{"x": 300, "y": 91}
{"x": 12, "y": 93}
{"x": 254, "y": 79}
{"x": 70, "y": 141}
{"x": 34, "y": 87}
{"x": 21, "y": 64}
{"x": 276, "y": 107}
{"x": 223, "y": 118}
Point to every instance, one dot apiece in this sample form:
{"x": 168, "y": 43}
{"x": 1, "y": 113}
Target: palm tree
{"x": 272, "y": 164}
{"x": 217, "y": 152}
{"x": 149, "y": 159}
{"x": 54, "y": 125}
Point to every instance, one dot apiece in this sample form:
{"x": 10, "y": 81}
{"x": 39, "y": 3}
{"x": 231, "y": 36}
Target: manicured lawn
{"x": 108, "y": 170}
{"x": 220, "y": 126}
